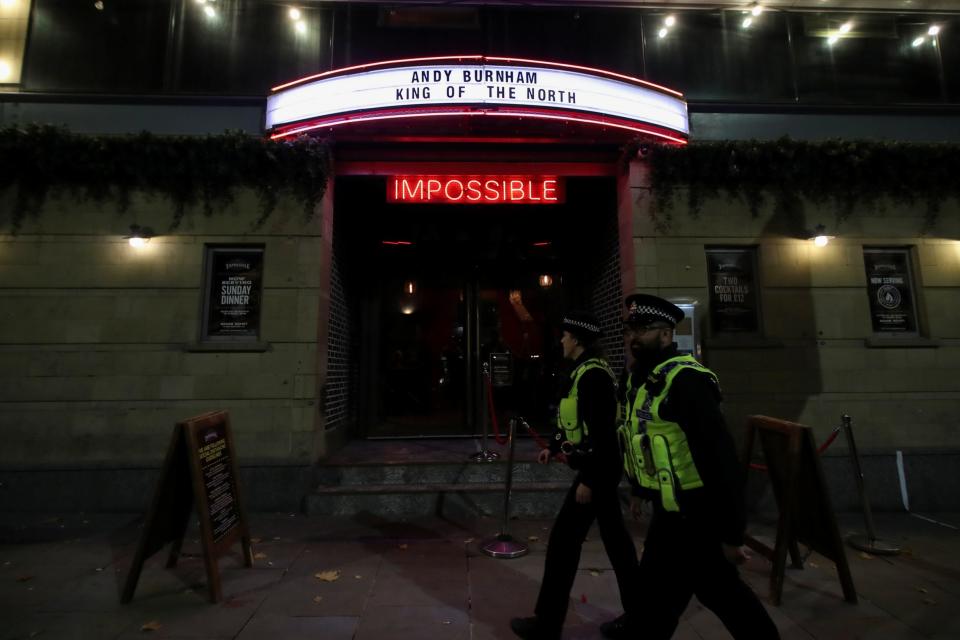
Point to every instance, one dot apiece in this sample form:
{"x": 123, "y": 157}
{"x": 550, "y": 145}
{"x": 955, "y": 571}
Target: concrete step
{"x": 439, "y": 473}
{"x": 453, "y": 489}
{"x": 527, "y": 499}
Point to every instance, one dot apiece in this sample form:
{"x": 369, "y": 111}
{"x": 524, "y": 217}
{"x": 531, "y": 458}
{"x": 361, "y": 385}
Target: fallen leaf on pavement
{"x": 533, "y": 538}
{"x": 317, "y": 599}
{"x": 865, "y": 555}
{"x": 403, "y": 546}
{"x": 153, "y": 625}
{"x": 447, "y": 622}
{"x": 24, "y": 578}
{"x": 921, "y": 590}
{"x": 256, "y": 540}
{"x": 358, "y": 577}
{"x": 929, "y": 601}
{"x": 328, "y": 576}
{"x": 468, "y": 541}
{"x": 594, "y": 573}
{"x": 259, "y": 555}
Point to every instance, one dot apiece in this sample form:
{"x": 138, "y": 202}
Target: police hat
{"x": 644, "y": 309}
{"x": 582, "y": 325}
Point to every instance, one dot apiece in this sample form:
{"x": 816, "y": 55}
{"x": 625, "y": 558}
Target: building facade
{"x": 447, "y": 239}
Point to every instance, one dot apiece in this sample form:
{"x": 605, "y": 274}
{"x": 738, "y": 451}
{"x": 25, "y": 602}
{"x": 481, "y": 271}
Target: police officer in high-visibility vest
{"x": 586, "y": 434}
{"x": 680, "y": 456}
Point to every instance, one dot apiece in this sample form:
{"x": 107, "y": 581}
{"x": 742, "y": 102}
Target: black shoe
{"x": 617, "y": 628}
{"x": 533, "y": 629}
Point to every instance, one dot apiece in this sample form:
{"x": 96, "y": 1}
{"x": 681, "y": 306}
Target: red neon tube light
{"x": 475, "y": 189}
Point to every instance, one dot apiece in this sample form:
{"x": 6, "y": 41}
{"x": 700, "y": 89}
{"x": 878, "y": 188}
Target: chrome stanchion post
{"x": 504, "y": 546}
{"x": 868, "y": 542}
{"x": 484, "y": 454}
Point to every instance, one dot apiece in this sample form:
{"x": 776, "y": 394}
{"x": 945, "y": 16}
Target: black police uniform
{"x": 599, "y": 466}
{"x": 682, "y": 553}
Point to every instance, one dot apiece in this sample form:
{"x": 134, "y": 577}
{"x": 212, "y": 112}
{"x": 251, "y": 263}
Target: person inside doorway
{"x": 586, "y": 435}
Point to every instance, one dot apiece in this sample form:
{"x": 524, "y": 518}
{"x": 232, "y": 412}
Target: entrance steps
{"x": 397, "y": 478}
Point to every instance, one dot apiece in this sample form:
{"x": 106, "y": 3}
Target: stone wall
{"x": 98, "y": 354}
{"x": 818, "y": 358}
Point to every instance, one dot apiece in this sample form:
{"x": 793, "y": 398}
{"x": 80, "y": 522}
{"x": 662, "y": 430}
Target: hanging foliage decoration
{"x": 38, "y": 161}
{"x": 849, "y": 175}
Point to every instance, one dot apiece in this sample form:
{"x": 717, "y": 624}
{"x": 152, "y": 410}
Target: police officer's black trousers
{"x": 682, "y": 559}
{"x": 563, "y": 551}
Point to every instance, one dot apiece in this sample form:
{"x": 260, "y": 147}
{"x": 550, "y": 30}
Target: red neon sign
{"x": 476, "y": 189}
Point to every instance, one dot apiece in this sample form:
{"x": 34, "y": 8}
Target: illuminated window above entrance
{"x": 477, "y": 86}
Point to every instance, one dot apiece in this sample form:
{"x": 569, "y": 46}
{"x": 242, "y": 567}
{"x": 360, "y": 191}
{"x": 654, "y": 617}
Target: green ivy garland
{"x": 206, "y": 170}
{"x": 189, "y": 170}
{"x": 851, "y": 175}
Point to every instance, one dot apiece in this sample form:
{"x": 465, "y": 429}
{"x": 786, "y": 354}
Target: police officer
{"x": 586, "y": 434}
{"x": 680, "y": 456}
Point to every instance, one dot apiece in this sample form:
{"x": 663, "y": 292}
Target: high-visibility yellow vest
{"x": 656, "y": 453}
{"x": 569, "y": 423}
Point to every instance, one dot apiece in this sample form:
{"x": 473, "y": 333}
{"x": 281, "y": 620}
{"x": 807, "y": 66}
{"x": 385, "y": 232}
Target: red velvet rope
{"x": 536, "y": 436}
{"x": 820, "y": 450}
{"x": 493, "y": 413}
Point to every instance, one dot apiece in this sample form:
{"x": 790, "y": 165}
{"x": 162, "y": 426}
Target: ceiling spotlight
{"x": 294, "y": 13}
{"x": 662, "y": 33}
{"x": 845, "y": 27}
{"x": 918, "y": 41}
{"x": 747, "y": 22}
{"x": 670, "y": 21}
{"x": 756, "y": 10}
{"x": 933, "y": 30}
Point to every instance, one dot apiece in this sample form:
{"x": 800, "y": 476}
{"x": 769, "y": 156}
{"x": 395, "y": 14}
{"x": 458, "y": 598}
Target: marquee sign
{"x": 475, "y": 189}
{"x": 477, "y": 86}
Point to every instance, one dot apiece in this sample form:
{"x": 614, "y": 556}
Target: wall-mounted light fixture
{"x": 819, "y": 236}
{"x": 410, "y": 287}
{"x": 546, "y": 280}
{"x": 139, "y": 236}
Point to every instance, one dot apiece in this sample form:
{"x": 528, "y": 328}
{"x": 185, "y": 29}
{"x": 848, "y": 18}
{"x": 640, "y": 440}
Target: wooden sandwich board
{"x": 806, "y": 515}
{"x": 199, "y": 471}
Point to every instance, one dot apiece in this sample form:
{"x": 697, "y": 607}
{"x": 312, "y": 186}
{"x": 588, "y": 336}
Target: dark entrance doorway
{"x": 441, "y": 290}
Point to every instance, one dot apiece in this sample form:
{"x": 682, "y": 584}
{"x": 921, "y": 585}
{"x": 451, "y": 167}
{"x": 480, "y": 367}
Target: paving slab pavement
{"x": 425, "y": 579}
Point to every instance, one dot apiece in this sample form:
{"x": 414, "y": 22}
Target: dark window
{"x": 120, "y": 48}
{"x": 713, "y": 56}
{"x": 875, "y": 62}
{"x": 948, "y": 41}
{"x": 247, "y": 47}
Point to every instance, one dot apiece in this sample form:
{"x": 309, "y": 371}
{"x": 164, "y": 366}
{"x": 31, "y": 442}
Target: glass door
{"x": 519, "y": 347}
{"x": 421, "y": 383}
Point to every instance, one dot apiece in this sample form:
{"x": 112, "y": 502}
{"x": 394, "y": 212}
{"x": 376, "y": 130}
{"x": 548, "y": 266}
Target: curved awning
{"x": 478, "y": 96}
